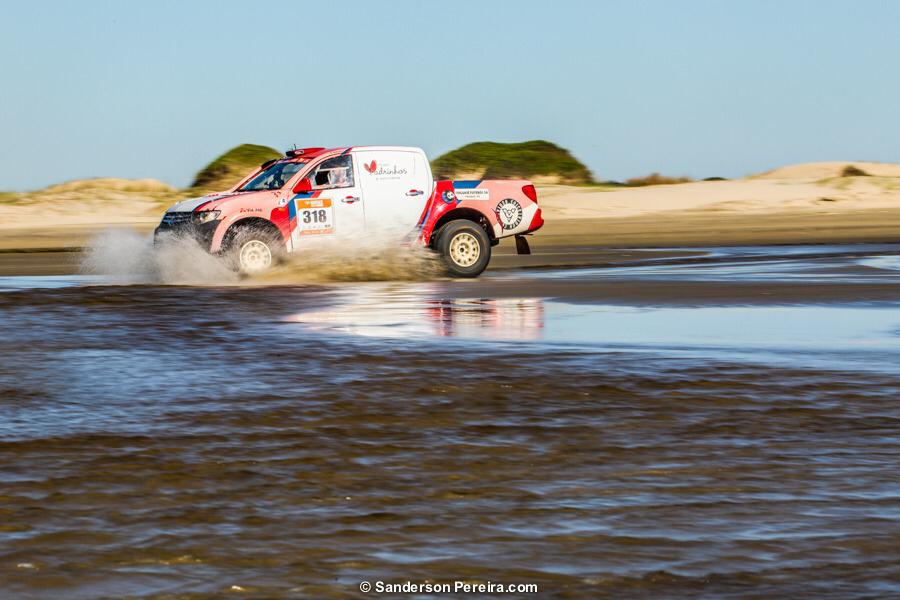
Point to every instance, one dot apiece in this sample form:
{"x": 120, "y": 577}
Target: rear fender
{"x": 482, "y": 202}
{"x": 444, "y": 206}
{"x": 467, "y": 214}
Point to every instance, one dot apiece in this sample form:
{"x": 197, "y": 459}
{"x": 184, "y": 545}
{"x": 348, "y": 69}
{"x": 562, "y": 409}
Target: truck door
{"x": 335, "y": 206}
{"x": 396, "y": 185}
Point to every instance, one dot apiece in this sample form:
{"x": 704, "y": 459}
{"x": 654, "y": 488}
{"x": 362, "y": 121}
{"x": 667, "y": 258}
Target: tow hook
{"x": 522, "y": 245}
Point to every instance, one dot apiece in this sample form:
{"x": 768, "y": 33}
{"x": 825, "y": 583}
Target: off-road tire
{"x": 464, "y": 247}
{"x": 254, "y": 250}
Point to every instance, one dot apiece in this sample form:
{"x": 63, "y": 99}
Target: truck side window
{"x": 334, "y": 173}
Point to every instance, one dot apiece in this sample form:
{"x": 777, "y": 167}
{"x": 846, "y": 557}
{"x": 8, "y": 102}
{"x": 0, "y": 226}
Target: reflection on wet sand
{"x": 411, "y": 312}
{"x": 505, "y": 318}
{"x": 839, "y": 336}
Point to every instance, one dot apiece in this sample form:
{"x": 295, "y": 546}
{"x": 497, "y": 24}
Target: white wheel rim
{"x": 255, "y": 256}
{"x": 465, "y": 249}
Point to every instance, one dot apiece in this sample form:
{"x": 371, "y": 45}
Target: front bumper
{"x": 202, "y": 234}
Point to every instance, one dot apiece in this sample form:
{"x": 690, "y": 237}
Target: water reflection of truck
{"x": 412, "y": 315}
{"x": 354, "y": 192}
{"x": 496, "y": 319}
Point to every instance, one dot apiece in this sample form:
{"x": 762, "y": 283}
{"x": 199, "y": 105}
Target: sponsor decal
{"x": 509, "y": 212}
{"x": 251, "y": 210}
{"x": 373, "y": 168}
{"x": 473, "y": 194}
{"x": 448, "y": 197}
{"x": 315, "y": 216}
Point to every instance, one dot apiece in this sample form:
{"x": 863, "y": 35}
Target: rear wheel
{"x": 464, "y": 247}
{"x": 254, "y": 250}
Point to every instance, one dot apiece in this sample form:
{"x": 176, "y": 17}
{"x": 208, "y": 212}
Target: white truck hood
{"x": 190, "y": 205}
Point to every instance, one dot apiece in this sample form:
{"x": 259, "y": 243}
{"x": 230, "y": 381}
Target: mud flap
{"x": 522, "y": 246}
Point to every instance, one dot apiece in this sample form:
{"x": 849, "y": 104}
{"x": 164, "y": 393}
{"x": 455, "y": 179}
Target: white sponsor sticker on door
{"x": 315, "y": 216}
{"x": 472, "y": 194}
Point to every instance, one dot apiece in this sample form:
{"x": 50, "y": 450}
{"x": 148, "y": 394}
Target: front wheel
{"x": 464, "y": 247}
{"x": 254, "y": 250}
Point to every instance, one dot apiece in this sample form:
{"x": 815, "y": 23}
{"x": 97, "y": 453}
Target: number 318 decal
{"x": 315, "y": 215}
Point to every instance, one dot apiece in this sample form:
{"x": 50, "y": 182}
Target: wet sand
{"x": 68, "y": 261}
{"x": 686, "y": 426}
{"x": 709, "y": 228}
{"x": 49, "y": 262}
{"x": 560, "y": 243}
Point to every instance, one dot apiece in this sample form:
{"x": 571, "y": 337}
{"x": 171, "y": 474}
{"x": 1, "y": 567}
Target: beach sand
{"x": 799, "y": 204}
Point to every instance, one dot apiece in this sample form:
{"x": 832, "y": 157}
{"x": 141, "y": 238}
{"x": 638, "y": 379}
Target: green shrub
{"x": 524, "y": 160}
{"x": 655, "y": 179}
{"x": 853, "y": 171}
{"x": 229, "y": 168}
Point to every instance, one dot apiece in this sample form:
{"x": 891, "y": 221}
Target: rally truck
{"x": 347, "y": 193}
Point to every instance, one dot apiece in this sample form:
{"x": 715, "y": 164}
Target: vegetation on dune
{"x": 608, "y": 185}
{"x": 845, "y": 182}
{"x": 11, "y": 197}
{"x": 525, "y": 160}
{"x": 111, "y": 184}
{"x": 220, "y": 174}
{"x": 99, "y": 192}
{"x": 229, "y": 168}
{"x": 655, "y": 179}
{"x": 538, "y": 160}
{"x": 853, "y": 171}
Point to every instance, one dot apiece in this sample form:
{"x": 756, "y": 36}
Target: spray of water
{"x": 361, "y": 259}
{"x": 125, "y": 257}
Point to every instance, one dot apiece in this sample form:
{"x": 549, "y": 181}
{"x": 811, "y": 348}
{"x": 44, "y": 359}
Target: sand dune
{"x": 822, "y": 170}
{"x": 740, "y": 196}
{"x": 812, "y": 187}
{"x": 66, "y": 214}
{"x": 87, "y": 201}
{"x": 111, "y": 184}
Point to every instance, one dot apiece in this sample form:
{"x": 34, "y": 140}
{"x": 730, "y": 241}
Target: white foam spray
{"x": 126, "y": 257}
{"x": 364, "y": 258}
{"x": 123, "y": 256}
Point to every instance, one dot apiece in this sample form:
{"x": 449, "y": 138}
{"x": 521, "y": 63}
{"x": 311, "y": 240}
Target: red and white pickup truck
{"x": 384, "y": 191}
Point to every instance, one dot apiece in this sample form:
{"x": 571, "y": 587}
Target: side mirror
{"x": 303, "y": 186}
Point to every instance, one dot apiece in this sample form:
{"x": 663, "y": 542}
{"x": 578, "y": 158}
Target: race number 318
{"x": 315, "y": 216}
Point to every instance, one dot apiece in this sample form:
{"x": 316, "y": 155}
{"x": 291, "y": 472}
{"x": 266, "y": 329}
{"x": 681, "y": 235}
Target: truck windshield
{"x": 274, "y": 177}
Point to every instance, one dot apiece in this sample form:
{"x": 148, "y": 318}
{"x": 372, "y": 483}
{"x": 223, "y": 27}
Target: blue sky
{"x": 702, "y": 88}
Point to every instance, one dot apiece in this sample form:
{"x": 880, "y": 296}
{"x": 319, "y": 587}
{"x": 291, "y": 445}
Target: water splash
{"x": 124, "y": 256}
{"x": 369, "y": 259}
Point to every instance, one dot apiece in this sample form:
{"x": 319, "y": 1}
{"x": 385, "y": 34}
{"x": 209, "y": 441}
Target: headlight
{"x": 205, "y": 216}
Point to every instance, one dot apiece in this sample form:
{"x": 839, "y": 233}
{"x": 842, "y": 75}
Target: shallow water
{"x": 39, "y": 282}
{"x": 825, "y": 264}
{"x": 292, "y": 441}
{"x": 842, "y": 337}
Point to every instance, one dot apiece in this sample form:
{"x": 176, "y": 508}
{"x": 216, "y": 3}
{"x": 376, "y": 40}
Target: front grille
{"x": 176, "y": 218}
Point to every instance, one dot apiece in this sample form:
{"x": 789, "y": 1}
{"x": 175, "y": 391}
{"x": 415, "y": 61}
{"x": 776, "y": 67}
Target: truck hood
{"x": 214, "y": 200}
